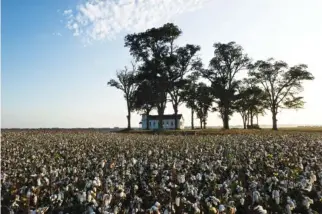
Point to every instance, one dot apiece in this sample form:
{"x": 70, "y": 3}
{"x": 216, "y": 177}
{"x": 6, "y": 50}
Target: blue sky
{"x": 57, "y": 55}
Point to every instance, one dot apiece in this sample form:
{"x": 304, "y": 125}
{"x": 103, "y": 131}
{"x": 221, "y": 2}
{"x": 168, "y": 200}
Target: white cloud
{"x": 103, "y": 19}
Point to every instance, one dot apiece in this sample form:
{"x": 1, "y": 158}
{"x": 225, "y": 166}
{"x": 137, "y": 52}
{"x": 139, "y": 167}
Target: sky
{"x": 57, "y": 55}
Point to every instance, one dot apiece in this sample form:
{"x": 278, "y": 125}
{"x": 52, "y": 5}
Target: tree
{"x": 204, "y": 103}
{"x": 251, "y": 102}
{"x": 155, "y": 49}
{"x": 186, "y": 61}
{"x": 189, "y": 94}
{"x": 229, "y": 59}
{"x": 126, "y": 83}
{"x": 242, "y": 105}
{"x": 282, "y": 84}
{"x": 145, "y": 99}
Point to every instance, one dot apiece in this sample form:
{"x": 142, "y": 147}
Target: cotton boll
{"x": 307, "y": 202}
{"x": 242, "y": 201}
{"x": 260, "y": 209}
{"x": 222, "y": 208}
{"x": 177, "y": 201}
{"x": 312, "y": 178}
{"x": 38, "y": 182}
{"x": 181, "y": 178}
{"x": 256, "y": 196}
{"x": 199, "y": 177}
{"x": 89, "y": 197}
{"x": 276, "y": 196}
{"x": 29, "y": 194}
{"x": 35, "y": 199}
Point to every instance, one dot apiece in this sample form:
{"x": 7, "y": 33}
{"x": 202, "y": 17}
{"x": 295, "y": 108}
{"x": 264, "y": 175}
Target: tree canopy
{"x": 168, "y": 72}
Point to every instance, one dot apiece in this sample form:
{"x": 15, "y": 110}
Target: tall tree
{"x": 204, "y": 103}
{"x": 229, "y": 59}
{"x": 282, "y": 84}
{"x": 251, "y": 102}
{"x": 145, "y": 99}
{"x": 242, "y": 104}
{"x": 189, "y": 94}
{"x": 126, "y": 83}
{"x": 155, "y": 49}
{"x": 186, "y": 61}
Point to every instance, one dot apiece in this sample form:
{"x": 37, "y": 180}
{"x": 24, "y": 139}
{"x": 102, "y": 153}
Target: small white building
{"x": 168, "y": 121}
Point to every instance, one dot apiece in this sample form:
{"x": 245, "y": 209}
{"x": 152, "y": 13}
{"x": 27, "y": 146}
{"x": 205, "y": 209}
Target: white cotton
{"x": 197, "y": 210}
{"x": 60, "y": 196}
{"x": 88, "y": 184}
{"x": 89, "y": 197}
{"x": 35, "y": 199}
{"x": 199, "y": 177}
{"x": 103, "y": 162}
{"x": 46, "y": 180}
{"x": 260, "y": 209}
{"x": 288, "y": 209}
{"x": 242, "y": 201}
{"x": 276, "y": 196}
{"x": 307, "y": 202}
{"x": 256, "y": 196}
{"x": 221, "y": 208}
{"x": 134, "y": 161}
{"x": 107, "y": 199}
{"x": 38, "y": 182}
{"x": 82, "y": 197}
{"x": 95, "y": 204}
{"x": 53, "y": 197}
{"x": 122, "y": 195}
{"x": 215, "y": 200}
{"x": 312, "y": 178}
{"x": 177, "y": 201}
{"x": 29, "y": 193}
{"x": 181, "y": 178}
{"x": 97, "y": 182}
{"x": 301, "y": 166}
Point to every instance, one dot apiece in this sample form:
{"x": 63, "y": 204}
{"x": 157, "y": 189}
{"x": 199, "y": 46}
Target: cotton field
{"x": 92, "y": 172}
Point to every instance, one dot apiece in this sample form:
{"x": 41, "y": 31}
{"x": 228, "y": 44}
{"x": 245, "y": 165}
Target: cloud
{"x": 104, "y": 19}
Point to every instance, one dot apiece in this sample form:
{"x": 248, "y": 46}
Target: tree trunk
{"x": 175, "y": 108}
{"x": 252, "y": 120}
{"x": 128, "y": 114}
{"x": 147, "y": 120}
{"x": 129, "y": 121}
{"x": 192, "y": 122}
{"x": 160, "y": 114}
{"x": 226, "y": 122}
{"x": 226, "y": 119}
{"x": 204, "y": 124}
{"x": 257, "y": 119}
{"x": 200, "y": 123}
{"x": 244, "y": 119}
{"x": 274, "y": 118}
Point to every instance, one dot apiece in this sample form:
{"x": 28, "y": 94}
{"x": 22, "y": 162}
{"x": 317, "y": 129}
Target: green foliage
{"x": 281, "y": 83}
{"x": 228, "y": 60}
{"x": 168, "y": 72}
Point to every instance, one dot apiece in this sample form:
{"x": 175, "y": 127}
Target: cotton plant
{"x": 103, "y": 172}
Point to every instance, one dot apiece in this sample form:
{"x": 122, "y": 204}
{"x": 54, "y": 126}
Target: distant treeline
{"x": 163, "y": 72}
